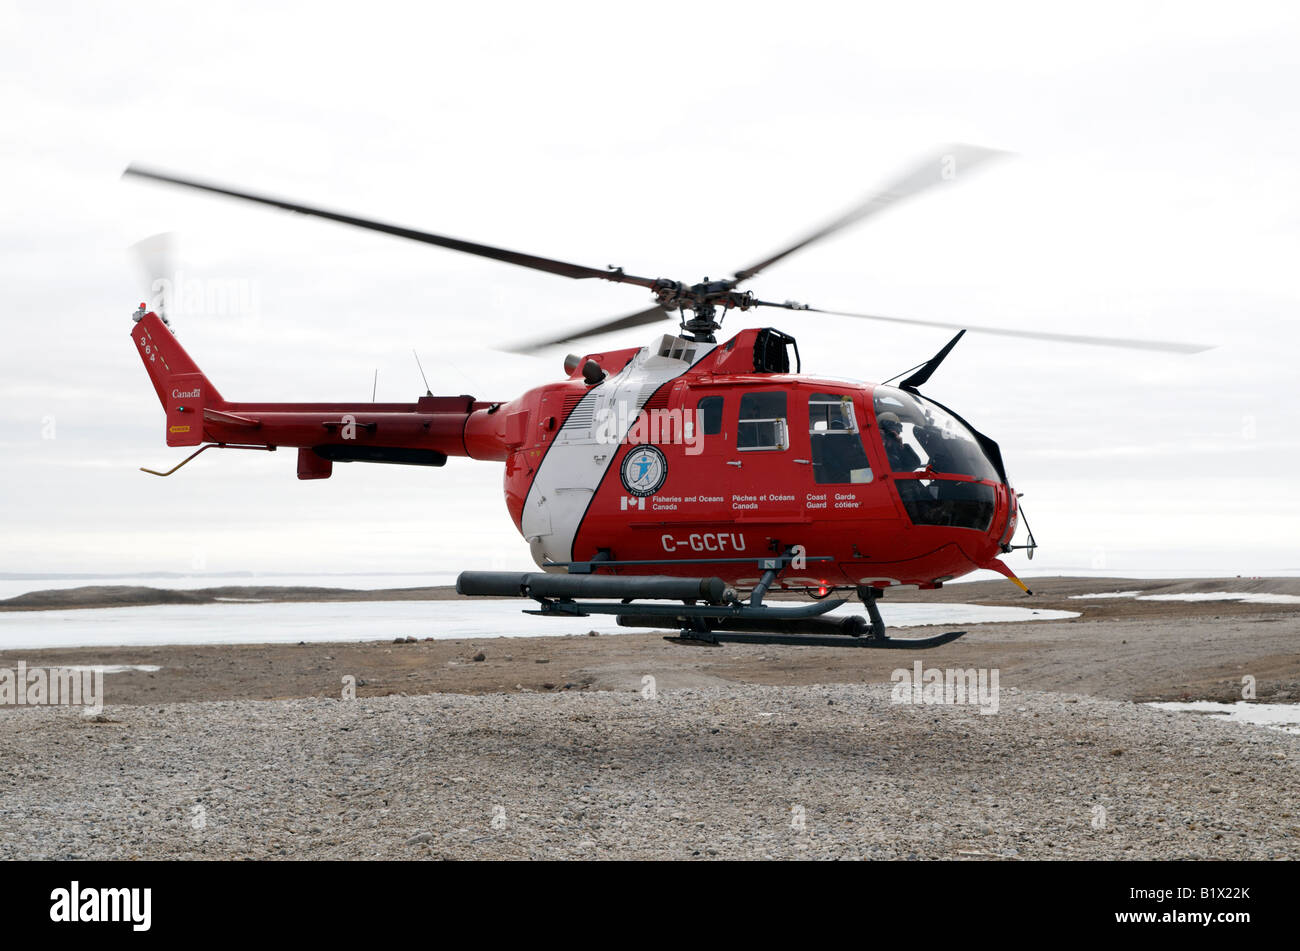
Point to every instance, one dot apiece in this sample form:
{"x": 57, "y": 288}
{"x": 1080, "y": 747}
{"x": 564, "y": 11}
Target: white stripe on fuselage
{"x": 577, "y": 461}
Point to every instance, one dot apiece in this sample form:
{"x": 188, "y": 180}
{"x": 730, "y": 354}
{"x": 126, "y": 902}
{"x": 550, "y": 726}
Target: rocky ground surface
{"x": 728, "y": 772}
{"x": 545, "y": 747}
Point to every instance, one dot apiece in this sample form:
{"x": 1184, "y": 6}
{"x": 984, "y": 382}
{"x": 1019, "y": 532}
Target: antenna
{"x": 897, "y": 375}
{"x": 427, "y": 391}
{"x": 375, "y": 389}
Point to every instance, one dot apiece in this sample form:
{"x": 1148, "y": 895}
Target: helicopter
{"x": 700, "y": 472}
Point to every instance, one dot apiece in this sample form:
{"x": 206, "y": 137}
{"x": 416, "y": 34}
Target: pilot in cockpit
{"x": 902, "y": 457}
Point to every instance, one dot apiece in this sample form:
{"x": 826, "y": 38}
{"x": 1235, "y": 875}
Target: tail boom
{"x": 425, "y": 432}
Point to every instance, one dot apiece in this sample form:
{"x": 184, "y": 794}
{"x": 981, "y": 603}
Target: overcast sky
{"x": 1154, "y": 194}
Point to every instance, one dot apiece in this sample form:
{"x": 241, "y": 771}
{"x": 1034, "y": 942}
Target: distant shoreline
{"x": 127, "y": 596}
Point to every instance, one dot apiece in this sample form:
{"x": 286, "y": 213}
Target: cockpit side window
{"x": 838, "y": 456}
{"x": 709, "y": 411}
{"x": 762, "y": 423}
{"x": 918, "y": 435}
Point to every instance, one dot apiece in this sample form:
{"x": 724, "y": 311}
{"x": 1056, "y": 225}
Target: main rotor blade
{"x": 550, "y": 265}
{"x": 949, "y": 164}
{"x": 622, "y": 323}
{"x": 1123, "y": 342}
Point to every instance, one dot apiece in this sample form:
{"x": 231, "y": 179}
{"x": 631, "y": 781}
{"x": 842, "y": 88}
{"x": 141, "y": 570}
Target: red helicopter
{"x": 684, "y": 471}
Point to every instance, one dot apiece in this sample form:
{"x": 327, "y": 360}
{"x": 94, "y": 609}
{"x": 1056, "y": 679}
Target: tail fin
{"x": 181, "y": 386}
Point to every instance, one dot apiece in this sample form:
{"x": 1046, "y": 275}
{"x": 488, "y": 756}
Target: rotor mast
{"x": 704, "y": 301}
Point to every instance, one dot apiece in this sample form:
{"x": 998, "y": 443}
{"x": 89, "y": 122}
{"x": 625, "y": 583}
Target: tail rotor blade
{"x": 156, "y": 256}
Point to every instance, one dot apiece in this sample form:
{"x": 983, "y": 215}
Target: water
{"x": 1279, "y": 716}
{"x": 261, "y": 623}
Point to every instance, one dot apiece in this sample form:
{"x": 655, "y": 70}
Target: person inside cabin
{"x": 902, "y": 457}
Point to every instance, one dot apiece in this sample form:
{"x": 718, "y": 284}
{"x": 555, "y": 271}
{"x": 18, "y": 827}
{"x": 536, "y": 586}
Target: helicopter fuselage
{"x": 683, "y": 458}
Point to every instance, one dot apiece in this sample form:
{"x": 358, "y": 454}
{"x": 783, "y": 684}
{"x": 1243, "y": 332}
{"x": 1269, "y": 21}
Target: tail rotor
{"x": 156, "y": 256}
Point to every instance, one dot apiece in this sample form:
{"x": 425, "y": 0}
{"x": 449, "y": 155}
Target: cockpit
{"x": 934, "y": 457}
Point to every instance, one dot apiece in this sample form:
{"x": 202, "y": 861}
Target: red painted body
{"x": 716, "y": 500}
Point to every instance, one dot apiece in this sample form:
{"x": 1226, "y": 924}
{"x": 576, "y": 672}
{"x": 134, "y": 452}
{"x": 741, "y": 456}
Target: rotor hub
{"x": 703, "y": 300}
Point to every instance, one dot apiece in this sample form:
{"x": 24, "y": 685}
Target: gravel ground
{"x": 719, "y": 771}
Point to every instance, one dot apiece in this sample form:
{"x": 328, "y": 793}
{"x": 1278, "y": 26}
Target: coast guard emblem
{"x": 644, "y": 470}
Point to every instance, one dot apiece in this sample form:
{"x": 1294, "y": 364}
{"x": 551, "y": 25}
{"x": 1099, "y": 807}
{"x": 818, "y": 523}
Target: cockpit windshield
{"x": 919, "y": 435}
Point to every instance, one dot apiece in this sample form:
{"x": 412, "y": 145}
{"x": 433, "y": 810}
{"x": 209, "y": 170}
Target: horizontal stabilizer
{"x": 229, "y": 419}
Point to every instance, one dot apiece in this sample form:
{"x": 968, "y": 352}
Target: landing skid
{"x": 810, "y": 631}
{"x": 707, "y": 612}
{"x": 814, "y": 640}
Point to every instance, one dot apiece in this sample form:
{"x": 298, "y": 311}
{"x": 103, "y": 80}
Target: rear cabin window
{"x": 838, "y": 456}
{"x": 762, "y": 422}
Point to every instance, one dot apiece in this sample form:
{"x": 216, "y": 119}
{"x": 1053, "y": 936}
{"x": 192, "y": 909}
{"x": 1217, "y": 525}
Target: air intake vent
{"x": 675, "y": 348}
{"x": 577, "y": 414}
{"x": 659, "y": 400}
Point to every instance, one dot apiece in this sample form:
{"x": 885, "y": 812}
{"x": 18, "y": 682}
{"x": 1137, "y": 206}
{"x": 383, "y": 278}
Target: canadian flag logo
{"x": 626, "y": 502}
